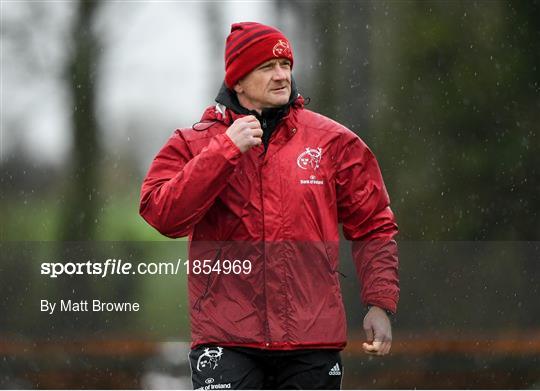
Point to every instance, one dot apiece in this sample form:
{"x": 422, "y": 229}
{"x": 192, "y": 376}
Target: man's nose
{"x": 279, "y": 72}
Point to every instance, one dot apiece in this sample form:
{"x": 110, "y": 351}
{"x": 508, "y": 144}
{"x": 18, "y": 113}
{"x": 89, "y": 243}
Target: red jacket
{"x": 280, "y": 210}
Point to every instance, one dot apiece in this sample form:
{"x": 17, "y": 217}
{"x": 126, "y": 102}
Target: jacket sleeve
{"x": 363, "y": 208}
{"x": 180, "y": 188}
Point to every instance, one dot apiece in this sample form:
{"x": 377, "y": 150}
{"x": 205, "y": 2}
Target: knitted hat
{"x": 250, "y": 44}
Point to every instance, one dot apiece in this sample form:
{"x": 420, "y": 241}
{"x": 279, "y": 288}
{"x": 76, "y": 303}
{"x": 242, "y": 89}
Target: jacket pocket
{"x": 204, "y": 295}
{"x": 331, "y": 268}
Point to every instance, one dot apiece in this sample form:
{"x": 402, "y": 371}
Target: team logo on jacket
{"x": 309, "y": 159}
{"x": 281, "y": 49}
{"x": 209, "y": 358}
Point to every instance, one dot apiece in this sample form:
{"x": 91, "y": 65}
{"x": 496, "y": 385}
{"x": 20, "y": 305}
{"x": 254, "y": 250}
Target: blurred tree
{"x": 457, "y": 100}
{"x": 326, "y": 86}
{"x": 339, "y": 75}
{"x": 83, "y": 198}
{"x": 82, "y": 203}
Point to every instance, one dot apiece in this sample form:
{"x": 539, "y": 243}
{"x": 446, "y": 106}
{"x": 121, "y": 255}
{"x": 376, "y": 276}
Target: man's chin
{"x": 281, "y": 100}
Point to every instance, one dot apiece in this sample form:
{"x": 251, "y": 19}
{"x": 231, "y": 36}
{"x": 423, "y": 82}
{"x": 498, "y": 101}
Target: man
{"x": 264, "y": 180}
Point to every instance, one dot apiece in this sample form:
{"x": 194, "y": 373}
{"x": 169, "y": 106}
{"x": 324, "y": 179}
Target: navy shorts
{"x": 222, "y": 368}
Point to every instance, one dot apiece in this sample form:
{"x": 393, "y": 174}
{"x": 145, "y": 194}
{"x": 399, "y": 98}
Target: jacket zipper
{"x": 266, "y": 325}
{"x": 264, "y": 125}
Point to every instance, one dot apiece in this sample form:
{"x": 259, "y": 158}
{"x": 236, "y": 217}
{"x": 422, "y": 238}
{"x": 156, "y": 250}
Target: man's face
{"x": 268, "y": 85}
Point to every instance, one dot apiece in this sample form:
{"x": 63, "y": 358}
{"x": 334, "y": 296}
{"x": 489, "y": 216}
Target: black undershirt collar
{"x": 269, "y": 117}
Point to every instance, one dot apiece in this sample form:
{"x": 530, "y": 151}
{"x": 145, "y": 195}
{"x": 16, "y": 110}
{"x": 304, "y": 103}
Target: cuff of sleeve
{"x": 386, "y": 303}
{"x": 231, "y": 151}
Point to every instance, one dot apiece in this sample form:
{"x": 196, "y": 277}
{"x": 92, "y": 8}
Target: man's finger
{"x": 386, "y": 347}
{"x": 257, "y": 134}
{"x": 253, "y": 124}
{"x": 385, "y": 341}
{"x": 250, "y": 119}
{"x": 382, "y": 351}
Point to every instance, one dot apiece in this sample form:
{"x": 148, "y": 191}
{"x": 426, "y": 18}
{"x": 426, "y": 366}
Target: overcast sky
{"x": 160, "y": 70}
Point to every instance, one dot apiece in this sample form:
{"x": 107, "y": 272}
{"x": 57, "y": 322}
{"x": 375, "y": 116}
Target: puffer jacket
{"x": 280, "y": 210}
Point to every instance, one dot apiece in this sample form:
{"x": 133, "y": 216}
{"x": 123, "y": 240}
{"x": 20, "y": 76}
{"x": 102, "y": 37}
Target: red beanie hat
{"x": 250, "y": 44}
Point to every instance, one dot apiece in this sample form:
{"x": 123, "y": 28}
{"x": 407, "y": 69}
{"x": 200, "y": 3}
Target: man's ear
{"x": 238, "y": 88}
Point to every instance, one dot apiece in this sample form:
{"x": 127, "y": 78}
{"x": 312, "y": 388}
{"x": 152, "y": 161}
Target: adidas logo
{"x": 335, "y": 371}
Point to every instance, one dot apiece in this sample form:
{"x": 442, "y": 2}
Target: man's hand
{"x": 378, "y": 332}
{"x": 245, "y": 133}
